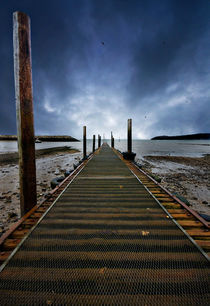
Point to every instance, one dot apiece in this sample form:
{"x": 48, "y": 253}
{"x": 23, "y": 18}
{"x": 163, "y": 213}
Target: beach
{"x": 185, "y": 176}
{"x": 50, "y": 163}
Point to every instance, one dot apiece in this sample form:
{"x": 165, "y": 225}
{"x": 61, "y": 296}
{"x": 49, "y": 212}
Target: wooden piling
{"x": 129, "y": 136}
{"x": 84, "y": 143}
{"x": 112, "y": 140}
{"x": 94, "y": 143}
{"x": 24, "y": 110}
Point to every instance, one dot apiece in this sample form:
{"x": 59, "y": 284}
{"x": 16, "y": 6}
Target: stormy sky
{"x": 99, "y": 62}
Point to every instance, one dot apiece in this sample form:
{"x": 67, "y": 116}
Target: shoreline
{"x": 12, "y": 157}
{"x": 188, "y": 177}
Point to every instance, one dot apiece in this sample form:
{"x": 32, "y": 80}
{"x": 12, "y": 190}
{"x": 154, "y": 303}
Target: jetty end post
{"x": 129, "y": 155}
{"x": 94, "y": 143}
{"x": 129, "y": 136}
{"x": 24, "y": 110}
{"x": 112, "y": 140}
{"x": 84, "y": 143}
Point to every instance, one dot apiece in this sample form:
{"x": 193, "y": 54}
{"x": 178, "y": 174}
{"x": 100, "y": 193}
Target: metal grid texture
{"x": 106, "y": 241}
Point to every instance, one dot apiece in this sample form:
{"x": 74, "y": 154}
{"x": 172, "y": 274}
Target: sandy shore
{"x": 187, "y": 176}
{"x": 50, "y": 163}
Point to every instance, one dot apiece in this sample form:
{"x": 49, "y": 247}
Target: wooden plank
{"x": 205, "y": 244}
{"x": 190, "y": 223}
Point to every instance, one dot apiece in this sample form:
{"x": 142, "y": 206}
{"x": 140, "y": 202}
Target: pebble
{"x": 12, "y": 214}
{"x": 205, "y": 202}
{"x": 8, "y": 199}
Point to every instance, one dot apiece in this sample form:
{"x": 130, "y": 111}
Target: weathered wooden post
{"x": 129, "y": 136}
{"x": 129, "y": 155}
{"x": 112, "y": 140}
{"x": 84, "y": 143}
{"x": 99, "y": 141}
{"x": 94, "y": 143}
{"x": 24, "y": 110}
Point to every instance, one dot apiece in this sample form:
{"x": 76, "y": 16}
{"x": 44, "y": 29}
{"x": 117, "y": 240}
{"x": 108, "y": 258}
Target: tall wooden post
{"x": 129, "y": 136}
{"x": 94, "y": 143}
{"x": 99, "y": 141}
{"x": 24, "y": 110}
{"x": 112, "y": 140}
{"x": 129, "y": 155}
{"x": 84, "y": 143}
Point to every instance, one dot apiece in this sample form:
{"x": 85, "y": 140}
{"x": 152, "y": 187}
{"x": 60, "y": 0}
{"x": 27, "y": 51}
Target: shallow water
{"x": 187, "y": 148}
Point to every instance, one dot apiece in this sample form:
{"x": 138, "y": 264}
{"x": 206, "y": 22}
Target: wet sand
{"x": 187, "y": 176}
{"x": 49, "y": 164}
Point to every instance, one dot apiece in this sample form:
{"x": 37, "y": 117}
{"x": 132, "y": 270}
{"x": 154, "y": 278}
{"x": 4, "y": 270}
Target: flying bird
{"x": 102, "y": 43}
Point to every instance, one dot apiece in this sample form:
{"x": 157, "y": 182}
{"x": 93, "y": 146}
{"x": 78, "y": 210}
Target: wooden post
{"x": 84, "y": 143}
{"x": 129, "y": 136}
{"x": 112, "y": 140}
{"x": 94, "y": 143}
{"x": 24, "y": 110}
{"x": 99, "y": 141}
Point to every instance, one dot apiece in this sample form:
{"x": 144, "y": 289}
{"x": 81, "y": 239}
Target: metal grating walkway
{"x": 106, "y": 241}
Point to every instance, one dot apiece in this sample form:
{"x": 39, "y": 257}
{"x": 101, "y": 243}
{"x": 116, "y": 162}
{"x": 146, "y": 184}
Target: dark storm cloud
{"x": 167, "y": 48}
{"x": 101, "y": 62}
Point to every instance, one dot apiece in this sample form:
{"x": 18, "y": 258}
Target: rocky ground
{"x": 187, "y": 176}
{"x": 48, "y": 167}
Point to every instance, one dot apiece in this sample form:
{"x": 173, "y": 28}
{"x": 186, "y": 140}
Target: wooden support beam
{"x": 24, "y": 110}
{"x": 129, "y": 136}
{"x": 98, "y": 141}
{"x": 112, "y": 140}
{"x": 94, "y": 143}
{"x": 84, "y": 143}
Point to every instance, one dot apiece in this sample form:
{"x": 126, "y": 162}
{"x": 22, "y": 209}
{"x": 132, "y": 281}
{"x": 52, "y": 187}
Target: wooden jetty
{"x": 106, "y": 239}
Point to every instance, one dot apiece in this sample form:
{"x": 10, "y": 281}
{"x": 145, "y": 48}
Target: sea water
{"x": 186, "y": 148}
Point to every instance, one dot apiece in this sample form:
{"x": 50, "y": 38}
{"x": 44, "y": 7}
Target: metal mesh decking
{"x": 106, "y": 241}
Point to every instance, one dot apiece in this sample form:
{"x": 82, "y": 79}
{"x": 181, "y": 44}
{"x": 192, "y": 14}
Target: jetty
{"x": 108, "y": 234}
{"x": 105, "y": 240}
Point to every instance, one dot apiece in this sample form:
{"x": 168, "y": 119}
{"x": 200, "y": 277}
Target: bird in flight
{"x": 102, "y": 43}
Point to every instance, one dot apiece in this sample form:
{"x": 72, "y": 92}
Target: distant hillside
{"x": 42, "y": 138}
{"x": 184, "y": 137}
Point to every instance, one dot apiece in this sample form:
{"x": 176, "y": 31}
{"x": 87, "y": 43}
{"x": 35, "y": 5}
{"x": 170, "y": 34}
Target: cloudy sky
{"x": 99, "y": 62}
